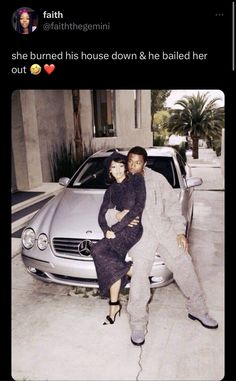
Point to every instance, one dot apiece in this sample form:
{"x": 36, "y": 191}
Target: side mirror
{"x": 193, "y": 182}
{"x": 64, "y": 181}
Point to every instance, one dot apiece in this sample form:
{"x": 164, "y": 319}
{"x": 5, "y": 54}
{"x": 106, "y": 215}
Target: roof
{"x": 151, "y": 151}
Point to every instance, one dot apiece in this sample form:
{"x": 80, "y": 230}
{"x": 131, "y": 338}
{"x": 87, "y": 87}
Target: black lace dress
{"x": 109, "y": 254}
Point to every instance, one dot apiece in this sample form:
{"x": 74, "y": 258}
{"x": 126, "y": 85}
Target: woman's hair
{"x": 118, "y": 160}
{"x": 19, "y": 27}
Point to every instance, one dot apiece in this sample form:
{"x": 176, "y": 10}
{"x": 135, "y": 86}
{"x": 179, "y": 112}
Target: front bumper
{"x": 82, "y": 273}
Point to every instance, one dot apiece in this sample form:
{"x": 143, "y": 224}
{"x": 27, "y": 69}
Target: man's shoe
{"x": 205, "y": 320}
{"x": 138, "y": 337}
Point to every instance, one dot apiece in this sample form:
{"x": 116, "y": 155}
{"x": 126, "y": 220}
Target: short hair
{"x": 119, "y": 160}
{"x": 137, "y": 150}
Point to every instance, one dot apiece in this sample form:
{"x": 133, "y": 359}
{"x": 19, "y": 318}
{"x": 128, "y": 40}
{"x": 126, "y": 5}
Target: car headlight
{"x": 42, "y": 241}
{"x": 28, "y": 238}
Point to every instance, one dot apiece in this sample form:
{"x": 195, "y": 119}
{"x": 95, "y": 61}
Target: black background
{"x": 170, "y": 27}
{"x": 146, "y": 26}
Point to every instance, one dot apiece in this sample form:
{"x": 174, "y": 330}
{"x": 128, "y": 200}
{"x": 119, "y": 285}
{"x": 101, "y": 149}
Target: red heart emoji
{"x": 49, "y": 68}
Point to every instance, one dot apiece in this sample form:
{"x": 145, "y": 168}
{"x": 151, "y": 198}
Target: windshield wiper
{"x": 89, "y": 177}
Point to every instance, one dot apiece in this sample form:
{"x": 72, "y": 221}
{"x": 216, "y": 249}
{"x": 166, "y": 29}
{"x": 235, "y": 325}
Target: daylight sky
{"x": 178, "y": 94}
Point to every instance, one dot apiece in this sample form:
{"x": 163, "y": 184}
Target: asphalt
{"x": 57, "y": 331}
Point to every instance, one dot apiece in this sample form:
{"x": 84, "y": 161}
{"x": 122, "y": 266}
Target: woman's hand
{"x": 121, "y": 215}
{"x": 182, "y": 241}
{"x": 110, "y": 234}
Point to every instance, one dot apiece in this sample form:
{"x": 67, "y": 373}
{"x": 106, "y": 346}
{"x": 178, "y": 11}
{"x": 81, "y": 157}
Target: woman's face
{"x": 24, "y": 20}
{"x": 118, "y": 171}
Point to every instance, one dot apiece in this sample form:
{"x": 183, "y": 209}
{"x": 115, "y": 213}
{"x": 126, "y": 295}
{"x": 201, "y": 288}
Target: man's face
{"x": 135, "y": 163}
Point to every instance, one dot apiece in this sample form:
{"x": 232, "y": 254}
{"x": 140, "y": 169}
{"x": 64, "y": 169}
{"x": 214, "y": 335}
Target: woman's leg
{"x": 114, "y": 296}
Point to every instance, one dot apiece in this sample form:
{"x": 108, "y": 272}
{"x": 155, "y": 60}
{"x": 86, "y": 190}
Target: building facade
{"x": 89, "y": 120}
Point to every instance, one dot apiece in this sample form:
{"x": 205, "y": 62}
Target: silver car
{"x": 56, "y": 243}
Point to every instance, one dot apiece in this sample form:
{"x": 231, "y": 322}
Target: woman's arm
{"x": 136, "y": 210}
{"x": 106, "y": 204}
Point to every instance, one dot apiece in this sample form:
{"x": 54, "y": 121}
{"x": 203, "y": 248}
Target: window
{"x": 165, "y": 166}
{"x": 92, "y": 174}
{"x": 103, "y": 102}
{"x": 181, "y": 165}
{"x": 137, "y": 108}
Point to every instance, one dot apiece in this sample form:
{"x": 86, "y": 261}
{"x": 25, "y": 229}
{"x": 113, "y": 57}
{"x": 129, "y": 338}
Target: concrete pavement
{"x": 57, "y": 331}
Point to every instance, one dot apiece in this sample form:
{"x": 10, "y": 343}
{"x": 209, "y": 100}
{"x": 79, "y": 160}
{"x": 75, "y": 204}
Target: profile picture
{"x": 25, "y": 20}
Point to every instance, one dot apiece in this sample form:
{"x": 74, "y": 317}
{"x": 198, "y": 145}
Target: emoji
{"x": 49, "y": 68}
{"x": 35, "y": 69}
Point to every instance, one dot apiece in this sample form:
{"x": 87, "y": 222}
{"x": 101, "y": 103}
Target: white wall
{"x": 42, "y": 119}
{"x": 126, "y": 133}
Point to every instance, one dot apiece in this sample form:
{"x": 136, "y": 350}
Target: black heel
{"x": 109, "y": 320}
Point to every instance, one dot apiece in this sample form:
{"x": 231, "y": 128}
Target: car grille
{"x": 73, "y": 248}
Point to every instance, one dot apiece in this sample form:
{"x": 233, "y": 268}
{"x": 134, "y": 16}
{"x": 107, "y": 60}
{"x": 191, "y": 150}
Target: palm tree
{"x": 199, "y": 117}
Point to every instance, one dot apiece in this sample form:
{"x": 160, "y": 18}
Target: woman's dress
{"x": 109, "y": 254}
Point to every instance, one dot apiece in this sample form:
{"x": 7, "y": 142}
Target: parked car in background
{"x": 57, "y": 241}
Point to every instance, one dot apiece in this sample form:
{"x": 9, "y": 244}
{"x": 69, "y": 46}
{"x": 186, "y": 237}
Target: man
{"x": 163, "y": 228}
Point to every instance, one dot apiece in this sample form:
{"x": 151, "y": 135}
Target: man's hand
{"x": 182, "y": 241}
{"x": 120, "y": 215}
{"x": 110, "y": 234}
{"x": 134, "y": 222}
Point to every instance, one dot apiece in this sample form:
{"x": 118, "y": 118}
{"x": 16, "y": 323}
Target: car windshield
{"x": 92, "y": 174}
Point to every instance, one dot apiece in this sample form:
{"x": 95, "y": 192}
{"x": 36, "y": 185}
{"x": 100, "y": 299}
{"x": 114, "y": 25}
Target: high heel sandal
{"x": 109, "y": 320}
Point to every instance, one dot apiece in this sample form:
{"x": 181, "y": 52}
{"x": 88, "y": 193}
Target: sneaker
{"x": 205, "y": 320}
{"x": 138, "y": 337}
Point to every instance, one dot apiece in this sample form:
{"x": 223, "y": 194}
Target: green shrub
{"x": 159, "y": 141}
{"x": 62, "y": 161}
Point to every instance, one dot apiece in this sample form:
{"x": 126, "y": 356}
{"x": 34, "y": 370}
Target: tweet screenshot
{"x": 119, "y": 123}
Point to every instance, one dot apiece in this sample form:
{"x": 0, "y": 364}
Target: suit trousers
{"x": 179, "y": 263}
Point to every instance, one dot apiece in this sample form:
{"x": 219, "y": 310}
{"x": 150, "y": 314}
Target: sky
{"x": 178, "y": 94}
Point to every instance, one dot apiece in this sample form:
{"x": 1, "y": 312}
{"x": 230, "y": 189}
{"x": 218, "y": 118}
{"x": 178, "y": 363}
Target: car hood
{"x": 73, "y": 214}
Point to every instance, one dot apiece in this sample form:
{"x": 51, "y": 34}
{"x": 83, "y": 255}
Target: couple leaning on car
{"x": 140, "y": 213}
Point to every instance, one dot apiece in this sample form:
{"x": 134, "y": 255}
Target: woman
{"x": 126, "y": 193}
{"x": 24, "y": 22}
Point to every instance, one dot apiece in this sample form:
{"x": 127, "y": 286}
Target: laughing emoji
{"x": 35, "y": 69}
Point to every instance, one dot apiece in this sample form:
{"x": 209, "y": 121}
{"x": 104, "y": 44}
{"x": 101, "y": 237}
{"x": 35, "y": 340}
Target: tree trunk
{"x": 209, "y": 143}
{"x": 152, "y": 117}
{"x": 78, "y": 136}
{"x": 195, "y": 147}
